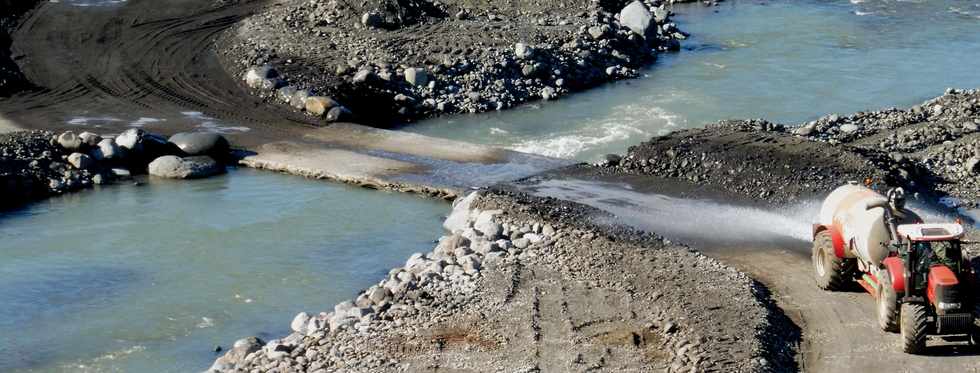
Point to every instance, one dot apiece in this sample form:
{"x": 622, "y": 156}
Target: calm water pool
{"x": 150, "y": 278}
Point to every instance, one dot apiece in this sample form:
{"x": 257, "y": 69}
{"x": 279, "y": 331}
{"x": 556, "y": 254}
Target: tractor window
{"x": 938, "y": 252}
{"x": 948, "y": 253}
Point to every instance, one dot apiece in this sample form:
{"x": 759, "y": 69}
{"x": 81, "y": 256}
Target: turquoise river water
{"x": 150, "y": 278}
{"x": 787, "y": 61}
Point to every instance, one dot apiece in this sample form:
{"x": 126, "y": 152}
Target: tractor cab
{"x": 936, "y": 276}
{"x": 933, "y": 244}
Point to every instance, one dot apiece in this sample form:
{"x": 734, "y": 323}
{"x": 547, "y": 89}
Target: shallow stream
{"x": 151, "y": 278}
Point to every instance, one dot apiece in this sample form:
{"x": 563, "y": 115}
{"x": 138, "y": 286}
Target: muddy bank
{"x": 932, "y": 149}
{"x": 391, "y": 61}
{"x": 527, "y": 284}
{"x": 11, "y": 79}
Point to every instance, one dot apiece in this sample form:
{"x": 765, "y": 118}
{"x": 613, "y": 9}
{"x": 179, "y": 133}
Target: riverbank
{"x": 391, "y": 63}
{"x": 514, "y": 288}
{"x": 761, "y": 184}
{"x": 931, "y": 149}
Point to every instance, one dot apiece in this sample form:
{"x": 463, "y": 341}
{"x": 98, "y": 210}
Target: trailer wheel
{"x": 915, "y": 325}
{"x": 829, "y": 270}
{"x": 887, "y": 304}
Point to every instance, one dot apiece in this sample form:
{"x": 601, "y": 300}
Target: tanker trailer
{"x": 915, "y": 271}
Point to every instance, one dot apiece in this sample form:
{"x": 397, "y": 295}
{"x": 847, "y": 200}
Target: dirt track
{"x": 107, "y": 67}
{"x": 839, "y": 331}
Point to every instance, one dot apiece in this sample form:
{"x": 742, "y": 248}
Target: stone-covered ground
{"x": 526, "y": 285}
{"x": 393, "y": 61}
{"x": 932, "y": 149}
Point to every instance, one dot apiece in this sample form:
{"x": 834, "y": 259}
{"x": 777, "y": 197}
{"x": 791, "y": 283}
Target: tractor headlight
{"x": 948, "y": 306}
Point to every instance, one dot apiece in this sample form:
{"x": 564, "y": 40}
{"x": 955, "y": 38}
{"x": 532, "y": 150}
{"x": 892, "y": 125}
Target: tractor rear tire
{"x": 830, "y": 271}
{"x": 915, "y": 326}
{"x": 887, "y": 302}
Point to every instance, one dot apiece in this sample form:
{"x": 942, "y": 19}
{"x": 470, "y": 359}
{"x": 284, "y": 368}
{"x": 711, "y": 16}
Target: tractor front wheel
{"x": 887, "y": 303}
{"x": 915, "y": 325}
{"x": 829, "y": 270}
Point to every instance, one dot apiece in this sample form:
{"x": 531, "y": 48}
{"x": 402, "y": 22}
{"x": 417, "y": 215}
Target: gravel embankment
{"x": 932, "y": 149}
{"x": 527, "y": 285}
{"x": 387, "y": 62}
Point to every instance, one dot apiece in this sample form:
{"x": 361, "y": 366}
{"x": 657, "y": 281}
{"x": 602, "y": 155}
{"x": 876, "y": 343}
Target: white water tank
{"x": 858, "y": 214}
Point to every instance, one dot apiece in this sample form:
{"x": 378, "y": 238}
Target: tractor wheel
{"x": 887, "y": 304}
{"x": 829, "y": 270}
{"x": 915, "y": 325}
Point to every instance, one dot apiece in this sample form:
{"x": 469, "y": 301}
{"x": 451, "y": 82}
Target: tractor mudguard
{"x": 835, "y": 237}
{"x": 896, "y": 268}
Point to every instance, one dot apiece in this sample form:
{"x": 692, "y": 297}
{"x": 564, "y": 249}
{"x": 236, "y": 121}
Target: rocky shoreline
{"x": 386, "y": 62}
{"x": 39, "y": 164}
{"x": 525, "y": 284}
{"x": 932, "y": 149}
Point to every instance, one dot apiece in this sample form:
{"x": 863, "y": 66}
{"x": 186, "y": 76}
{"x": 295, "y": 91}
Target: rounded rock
{"x": 80, "y": 161}
{"x": 69, "y": 140}
{"x": 90, "y": 139}
{"x": 201, "y": 143}
{"x": 319, "y": 105}
{"x": 173, "y": 167}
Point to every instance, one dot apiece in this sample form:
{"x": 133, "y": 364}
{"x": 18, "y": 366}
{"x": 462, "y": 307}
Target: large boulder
{"x": 174, "y": 167}
{"x": 457, "y": 221}
{"x": 300, "y": 322}
{"x": 131, "y": 139}
{"x": 338, "y": 114}
{"x": 636, "y": 17}
{"x": 484, "y": 224}
{"x": 106, "y": 150}
{"x": 201, "y": 143}
{"x": 320, "y": 105}
{"x": 69, "y": 140}
{"x": 90, "y": 139}
{"x": 448, "y": 245}
{"x": 80, "y": 161}
{"x": 145, "y": 146}
{"x": 237, "y": 354}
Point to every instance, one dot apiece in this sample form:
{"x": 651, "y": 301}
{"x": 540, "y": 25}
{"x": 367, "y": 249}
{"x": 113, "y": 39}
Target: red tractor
{"x": 916, "y": 272}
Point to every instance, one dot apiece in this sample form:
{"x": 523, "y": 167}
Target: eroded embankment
{"x": 932, "y": 149}
{"x": 392, "y": 62}
{"x": 527, "y": 284}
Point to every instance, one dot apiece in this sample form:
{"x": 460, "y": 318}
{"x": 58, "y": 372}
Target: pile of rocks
{"x": 410, "y": 60}
{"x": 932, "y": 148}
{"x": 454, "y": 307}
{"x": 38, "y": 164}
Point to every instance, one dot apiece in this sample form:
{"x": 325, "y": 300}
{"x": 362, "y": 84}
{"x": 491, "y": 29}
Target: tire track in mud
{"x": 140, "y": 59}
